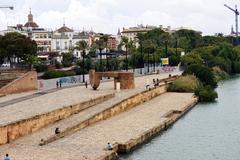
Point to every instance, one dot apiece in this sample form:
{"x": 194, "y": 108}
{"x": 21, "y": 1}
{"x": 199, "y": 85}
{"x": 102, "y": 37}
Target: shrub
{"x": 56, "y": 74}
{"x": 206, "y": 94}
{"x": 219, "y": 74}
{"x": 204, "y": 74}
{"x": 41, "y": 68}
{"x": 185, "y": 84}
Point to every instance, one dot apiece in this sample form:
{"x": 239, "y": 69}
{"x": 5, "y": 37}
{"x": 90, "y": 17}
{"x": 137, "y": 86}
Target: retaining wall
{"x": 118, "y": 108}
{"x": 23, "y": 127}
{"x": 26, "y": 82}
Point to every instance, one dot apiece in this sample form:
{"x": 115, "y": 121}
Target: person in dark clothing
{"x": 86, "y": 84}
{"x": 57, "y": 131}
{"x": 60, "y": 83}
{"x": 57, "y": 84}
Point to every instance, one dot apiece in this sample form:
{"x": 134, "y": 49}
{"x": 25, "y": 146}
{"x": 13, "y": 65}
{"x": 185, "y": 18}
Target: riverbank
{"x": 125, "y": 131}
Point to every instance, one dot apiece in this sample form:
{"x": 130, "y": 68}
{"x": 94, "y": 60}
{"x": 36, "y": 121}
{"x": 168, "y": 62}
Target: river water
{"x": 208, "y": 132}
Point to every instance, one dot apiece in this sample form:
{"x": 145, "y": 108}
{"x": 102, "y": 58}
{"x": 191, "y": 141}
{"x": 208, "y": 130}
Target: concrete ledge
{"x": 23, "y": 127}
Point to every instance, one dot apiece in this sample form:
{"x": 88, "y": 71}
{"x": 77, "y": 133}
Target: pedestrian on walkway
{"x": 57, "y": 84}
{"x": 86, "y": 84}
{"x": 60, "y": 83}
{"x": 7, "y": 157}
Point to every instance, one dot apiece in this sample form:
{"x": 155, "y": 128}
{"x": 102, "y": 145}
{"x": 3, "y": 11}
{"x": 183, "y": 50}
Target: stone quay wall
{"x": 26, "y": 82}
{"x": 171, "y": 116}
{"x": 23, "y": 127}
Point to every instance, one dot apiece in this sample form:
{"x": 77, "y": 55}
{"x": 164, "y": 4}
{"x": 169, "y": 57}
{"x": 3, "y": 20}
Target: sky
{"x": 106, "y": 16}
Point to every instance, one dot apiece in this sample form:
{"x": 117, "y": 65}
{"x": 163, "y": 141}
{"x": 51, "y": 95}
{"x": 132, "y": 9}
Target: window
{"x": 57, "y": 45}
{"x": 45, "y": 35}
{"x": 66, "y": 47}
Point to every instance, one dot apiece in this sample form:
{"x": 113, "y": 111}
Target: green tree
{"x": 204, "y": 74}
{"x": 82, "y": 46}
{"x": 67, "y": 59}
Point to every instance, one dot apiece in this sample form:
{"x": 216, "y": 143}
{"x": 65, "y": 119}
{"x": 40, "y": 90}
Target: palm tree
{"x": 126, "y": 43}
{"x": 82, "y": 46}
{"x": 101, "y": 45}
{"x": 140, "y": 37}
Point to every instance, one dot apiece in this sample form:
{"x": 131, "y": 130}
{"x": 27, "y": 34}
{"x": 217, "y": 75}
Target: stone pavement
{"x": 89, "y": 143}
{"x": 55, "y": 100}
{"x": 65, "y": 97}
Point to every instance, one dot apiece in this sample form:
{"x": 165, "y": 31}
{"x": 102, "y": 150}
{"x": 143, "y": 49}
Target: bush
{"x": 58, "y": 65}
{"x": 219, "y": 74}
{"x": 204, "y": 74}
{"x": 206, "y": 94}
{"x": 56, "y": 74}
{"x": 41, "y": 68}
{"x": 185, "y": 84}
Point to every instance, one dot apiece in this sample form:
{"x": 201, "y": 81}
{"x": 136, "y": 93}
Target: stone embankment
{"x": 14, "y": 130}
{"x": 126, "y": 120}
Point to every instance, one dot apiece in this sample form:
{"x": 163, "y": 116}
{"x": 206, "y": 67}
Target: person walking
{"x": 57, "y": 84}
{"x": 60, "y": 83}
{"x": 86, "y": 84}
{"x": 7, "y": 157}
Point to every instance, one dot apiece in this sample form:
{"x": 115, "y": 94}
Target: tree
{"x": 16, "y": 45}
{"x": 192, "y": 38}
{"x": 128, "y": 45}
{"x": 82, "y": 46}
{"x": 204, "y": 74}
{"x": 190, "y": 59}
{"x": 101, "y": 45}
{"x": 67, "y": 59}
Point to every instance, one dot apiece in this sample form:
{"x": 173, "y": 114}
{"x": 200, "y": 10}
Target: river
{"x": 208, "y": 132}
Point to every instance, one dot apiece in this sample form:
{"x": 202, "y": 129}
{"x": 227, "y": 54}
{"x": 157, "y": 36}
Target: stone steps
{"x": 14, "y": 130}
{"x": 105, "y": 110}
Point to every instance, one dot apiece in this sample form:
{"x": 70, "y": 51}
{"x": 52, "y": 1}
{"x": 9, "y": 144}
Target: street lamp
{"x": 126, "y": 58}
{"x": 83, "y": 56}
{"x": 141, "y": 60}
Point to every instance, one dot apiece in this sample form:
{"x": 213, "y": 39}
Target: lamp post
{"x": 83, "y": 56}
{"x": 166, "y": 48}
{"x": 141, "y": 60}
{"x": 148, "y": 62}
{"x": 126, "y": 58}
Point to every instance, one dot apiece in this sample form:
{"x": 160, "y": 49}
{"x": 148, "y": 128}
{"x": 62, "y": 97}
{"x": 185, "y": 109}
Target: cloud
{"x": 109, "y": 15}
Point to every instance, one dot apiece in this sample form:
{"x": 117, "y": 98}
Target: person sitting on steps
{"x": 109, "y": 146}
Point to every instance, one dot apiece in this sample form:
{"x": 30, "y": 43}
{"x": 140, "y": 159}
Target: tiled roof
{"x": 64, "y": 29}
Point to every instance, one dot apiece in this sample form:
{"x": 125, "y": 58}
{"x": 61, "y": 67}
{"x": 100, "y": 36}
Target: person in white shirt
{"x": 7, "y": 157}
{"x": 109, "y": 146}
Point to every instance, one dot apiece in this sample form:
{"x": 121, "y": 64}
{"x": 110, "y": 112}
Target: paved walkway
{"x": 89, "y": 143}
{"x": 65, "y": 97}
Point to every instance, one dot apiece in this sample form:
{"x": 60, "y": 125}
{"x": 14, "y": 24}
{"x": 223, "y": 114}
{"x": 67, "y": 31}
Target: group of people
{"x": 59, "y": 84}
{"x": 156, "y": 82}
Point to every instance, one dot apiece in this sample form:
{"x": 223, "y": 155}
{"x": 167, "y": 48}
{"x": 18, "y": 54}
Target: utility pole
{"x": 236, "y": 19}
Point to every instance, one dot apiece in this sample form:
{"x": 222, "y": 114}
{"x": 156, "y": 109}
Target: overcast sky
{"x": 208, "y": 16}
